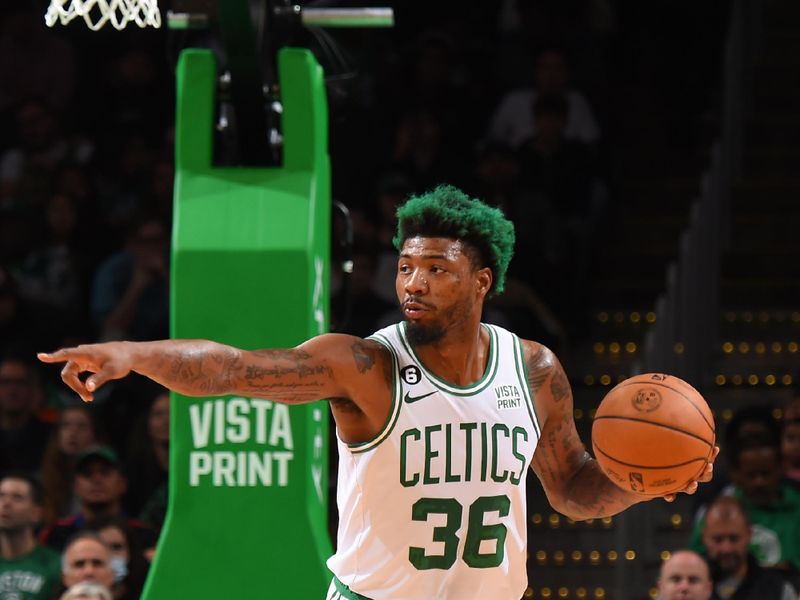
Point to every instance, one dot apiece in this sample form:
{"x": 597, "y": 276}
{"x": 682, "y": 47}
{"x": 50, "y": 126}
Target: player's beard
{"x": 423, "y": 334}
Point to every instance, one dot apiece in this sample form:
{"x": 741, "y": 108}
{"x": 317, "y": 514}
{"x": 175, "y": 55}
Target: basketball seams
{"x": 646, "y": 467}
{"x": 654, "y": 424}
{"x": 634, "y": 381}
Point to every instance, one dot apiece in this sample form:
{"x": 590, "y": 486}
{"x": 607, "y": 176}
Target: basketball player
{"x": 437, "y": 417}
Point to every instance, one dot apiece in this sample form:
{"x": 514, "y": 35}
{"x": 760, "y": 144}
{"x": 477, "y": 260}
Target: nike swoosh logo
{"x": 409, "y": 398}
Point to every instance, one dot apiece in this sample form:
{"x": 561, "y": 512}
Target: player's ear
{"x": 484, "y": 280}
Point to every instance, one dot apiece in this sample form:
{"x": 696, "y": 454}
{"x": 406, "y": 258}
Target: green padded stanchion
{"x": 248, "y": 477}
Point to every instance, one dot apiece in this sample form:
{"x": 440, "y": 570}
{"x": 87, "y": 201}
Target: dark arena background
{"x": 656, "y": 205}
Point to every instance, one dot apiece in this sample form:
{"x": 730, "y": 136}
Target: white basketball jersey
{"x": 434, "y": 506}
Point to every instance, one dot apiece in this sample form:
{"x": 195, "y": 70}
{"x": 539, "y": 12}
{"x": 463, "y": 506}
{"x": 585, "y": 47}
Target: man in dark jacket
{"x": 735, "y": 572}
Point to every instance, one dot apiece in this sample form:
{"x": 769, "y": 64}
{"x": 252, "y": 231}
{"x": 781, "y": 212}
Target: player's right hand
{"x": 104, "y": 361}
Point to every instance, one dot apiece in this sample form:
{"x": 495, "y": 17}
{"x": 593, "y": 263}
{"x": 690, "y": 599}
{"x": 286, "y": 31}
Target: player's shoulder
{"x": 537, "y": 354}
{"x": 373, "y": 348}
{"x": 343, "y": 341}
{"x": 344, "y": 349}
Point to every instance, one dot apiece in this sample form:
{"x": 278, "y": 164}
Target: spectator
{"x": 75, "y": 432}
{"x": 790, "y": 440}
{"x": 425, "y": 151}
{"x": 548, "y": 159}
{"x": 130, "y": 295}
{"x": 28, "y": 571}
{"x": 684, "y": 576}
{"x": 124, "y": 179}
{"x": 751, "y": 424}
{"x": 792, "y": 409}
{"x": 148, "y": 459}
{"x": 497, "y": 176}
{"x": 86, "y": 559}
{"x": 55, "y": 273}
{"x": 562, "y": 199}
{"x": 736, "y": 573}
{"x": 514, "y": 120}
{"x": 27, "y": 169}
{"x": 86, "y": 591}
{"x": 22, "y": 434}
{"x": 99, "y": 486}
{"x": 790, "y": 448}
{"x": 754, "y": 422}
{"x": 771, "y": 505}
{"x": 128, "y": 561}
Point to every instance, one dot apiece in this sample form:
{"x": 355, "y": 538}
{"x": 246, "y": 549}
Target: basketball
{"x": 652, "y": 434}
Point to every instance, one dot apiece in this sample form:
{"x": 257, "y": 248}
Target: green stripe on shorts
{"x": 346, "y": 592}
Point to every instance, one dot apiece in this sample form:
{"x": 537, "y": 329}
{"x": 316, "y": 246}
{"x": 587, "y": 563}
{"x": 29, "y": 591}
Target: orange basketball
{"x": 652, "y": 434}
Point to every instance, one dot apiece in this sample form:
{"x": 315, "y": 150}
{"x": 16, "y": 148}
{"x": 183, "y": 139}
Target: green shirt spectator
{"x": 34, "y": 576}
{"x": 771, "y": 504}
{"x": 27, "y": 571}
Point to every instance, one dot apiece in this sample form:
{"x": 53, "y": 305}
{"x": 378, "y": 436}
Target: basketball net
{"x": 97, "y": 13}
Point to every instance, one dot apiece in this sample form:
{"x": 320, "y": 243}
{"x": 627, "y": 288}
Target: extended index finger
{"x": 62, "y": 355}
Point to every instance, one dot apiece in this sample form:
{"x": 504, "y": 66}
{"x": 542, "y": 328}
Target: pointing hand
{"x": 104, "y": 361}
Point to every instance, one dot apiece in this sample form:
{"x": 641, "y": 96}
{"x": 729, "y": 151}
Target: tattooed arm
{"x": 331, "y": 365}
{"x": 572, "y": 479}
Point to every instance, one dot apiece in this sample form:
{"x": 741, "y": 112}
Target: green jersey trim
{"x": 346, "y": 592}
{"x": 522, "y": 373}
{"x": 458, "y": 390}
{"x": 391, "y": 420}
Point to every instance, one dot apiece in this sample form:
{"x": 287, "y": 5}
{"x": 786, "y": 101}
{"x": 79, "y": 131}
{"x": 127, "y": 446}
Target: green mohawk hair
{"x": 448, "y": 212}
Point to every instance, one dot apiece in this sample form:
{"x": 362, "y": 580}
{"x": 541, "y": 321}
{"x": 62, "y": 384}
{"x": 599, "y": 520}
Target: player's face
{"x": 684, "y": 577}
{"x": 726, "y": 539}
{"x": 437, "y": 286}
{"x": 17, "y": 508}
{"x": 87, "y": 560}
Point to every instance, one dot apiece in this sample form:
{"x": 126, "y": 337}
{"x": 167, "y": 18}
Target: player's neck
{"x": 460, "y": 356}
{"x": 14, "y": 544}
